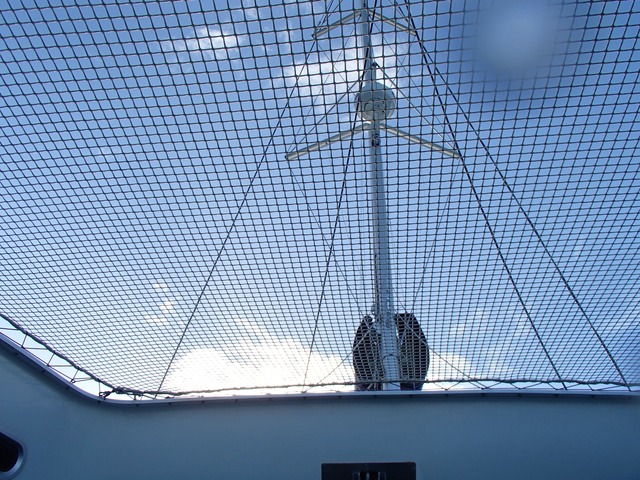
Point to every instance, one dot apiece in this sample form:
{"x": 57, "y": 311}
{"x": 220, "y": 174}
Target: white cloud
{"x": 251, "y": 13}
{"x": 212, "y": 42}
{"x": 324, "y": 82}
{"x": 283, "y": 36}
{"x": 160, "y": 286}
{"x": 211, "y": 38}
{"x": 155, "y": 319}
{"x": 249, "y": 9}
{"x": 256, "y": 359}
{"x": 167, "y": 306}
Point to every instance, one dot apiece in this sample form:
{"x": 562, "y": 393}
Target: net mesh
{"x": 162, "y": 236}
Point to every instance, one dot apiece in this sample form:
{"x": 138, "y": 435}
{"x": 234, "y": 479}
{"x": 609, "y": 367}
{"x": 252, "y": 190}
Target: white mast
{"x": 375, "y": 104}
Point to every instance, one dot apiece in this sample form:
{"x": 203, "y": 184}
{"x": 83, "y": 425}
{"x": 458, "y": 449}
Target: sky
{"x": 157, "y": 236}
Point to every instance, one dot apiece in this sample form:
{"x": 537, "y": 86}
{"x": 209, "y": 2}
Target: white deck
{"x": 495, "y": 436}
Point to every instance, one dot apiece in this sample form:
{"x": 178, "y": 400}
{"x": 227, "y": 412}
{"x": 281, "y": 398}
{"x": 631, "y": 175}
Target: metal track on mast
{"x": 375, "y": 105}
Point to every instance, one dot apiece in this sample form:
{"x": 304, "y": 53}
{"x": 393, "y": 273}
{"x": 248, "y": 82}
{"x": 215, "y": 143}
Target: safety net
{"x": 227, "y": 197}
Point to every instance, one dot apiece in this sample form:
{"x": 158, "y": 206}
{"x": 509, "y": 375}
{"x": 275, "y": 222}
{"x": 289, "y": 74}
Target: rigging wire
{"x": 229, "y": 231}
{"x": 494, "y": 240}
{"x": 330, "y": 255}
{"x": 528, "y": 219}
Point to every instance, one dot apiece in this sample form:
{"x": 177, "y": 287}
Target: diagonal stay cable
{"x": 521, "y": 209}
{"x": 332, "y": 240}
{"x": 330, "y": 255}
{"x": 305, "y": 68}
{"x": 441, "y": 357}
{"x": 504, "y": 261}
{"x": 430, "y": 255}
{"x": 215, "y": 262}
{"x": 553, "y": 261}
{"x": 308, "y": 206}
{"x": 411, "y": 104}
{"x": 428, "y": 63}
{"x": 229, "y": 232}
{"x": 326, "y": 242}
